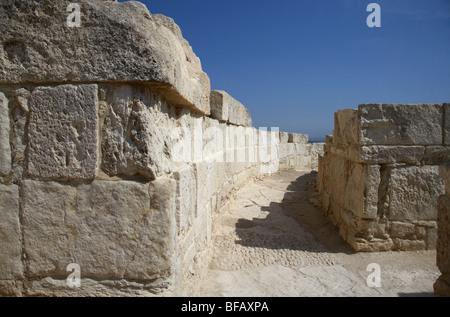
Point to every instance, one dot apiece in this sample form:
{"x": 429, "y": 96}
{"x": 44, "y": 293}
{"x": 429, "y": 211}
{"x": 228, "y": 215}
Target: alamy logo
{"x": 74, "y": 18}
{"x": 374, "y": 19}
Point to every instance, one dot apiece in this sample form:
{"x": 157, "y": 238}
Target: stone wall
{"x": 442, "y": 285}
{"x": 379, "y": 177}
{"x": 115, "y": 155}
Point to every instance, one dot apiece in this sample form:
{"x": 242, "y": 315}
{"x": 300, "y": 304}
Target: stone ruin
{"x": 384, "y": 177}
{"x": 379, "y": 178}
{"x": 118, "y": 157}
{"x": 115, "y": 153}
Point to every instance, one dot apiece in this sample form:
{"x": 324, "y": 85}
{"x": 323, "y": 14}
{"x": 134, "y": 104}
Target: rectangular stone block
{"x": 414, "y": 193}
{"x": 361, "y": 190}
{"x": 392, "y": 154}
{"x": 227, "y": 109}
{"x": 346, "y": 128}
{"x": 298, "y": 138}
{"x": 63, "y": 132}
{"x": 402, "y": 230}
{"x": 113, "y": 230}
{"x": 437, "y": 155}
{"x": 390, "y": 124}
{"x": 219, "y": 106}
{"x": 186, "y": 202}
{"x": 336, "y": 179}
{"x": 212, "y": 138}
{"x": 10, "y": 234}
{"x": 284, "y": 137}
{"x": 206, "y": 183}
{"x": 5, "y": 146}
{"x": 138, "y": 135}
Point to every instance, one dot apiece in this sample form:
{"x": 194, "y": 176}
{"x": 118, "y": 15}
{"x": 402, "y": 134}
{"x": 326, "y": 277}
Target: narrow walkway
{"x": 275, "y": 242}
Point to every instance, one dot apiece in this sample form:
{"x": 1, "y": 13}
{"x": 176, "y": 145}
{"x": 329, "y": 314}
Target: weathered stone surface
{"x": 154, "y": 254}
{"x": 392, "y": 154}
{"x": 361, "y": 190}
{"x": 437, "y": 155}
{"x": 48, "y": 240}
{"x": 403, "y": 230}
{"x": 227, "y": 109}
{"x": 298, "y": 138}
{"x": 10, "y": 288}
{"x": 186, "y": 194}
{"x": 19, "y": 109}
{"x": 346, "y": 128}
{"x": 389, "y": 124}
{"x": 63, "y": 132}
{"x": 137, "y": 134}
{"x": 5, "y": 147}
{"x": 10, "y": 234}
{"x": 206, "y": 184}
{"x": 220, "y": 101}
{"x": 414, "y": 192}
{"x": 112, "y": 230}
{"x": 444, "y": 172}
{"x": 284, "y": 137}
{"x": 123, "y": 42}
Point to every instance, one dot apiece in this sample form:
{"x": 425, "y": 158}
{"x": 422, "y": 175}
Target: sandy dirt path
{"x": 275, "y": 242}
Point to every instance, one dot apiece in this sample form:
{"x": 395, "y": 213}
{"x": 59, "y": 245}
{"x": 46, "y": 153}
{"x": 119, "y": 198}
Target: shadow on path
{"x": 311, "y": 230}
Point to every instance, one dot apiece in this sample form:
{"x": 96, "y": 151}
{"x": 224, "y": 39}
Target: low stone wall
{"x": 442, "y": 285}
{"x": 379, "y": 177}
{"x": 117, "y": 168}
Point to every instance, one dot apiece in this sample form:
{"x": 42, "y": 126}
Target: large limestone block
{"x": 5, "y": 146}
{"x": 346, "y": 128}
{"x": 389, "y": 124}
{"x": 298, "y": 138}
{"x": 137, "y": 134}
{"x": 227, "y": 109}
{"x": 63, "y": 132}
{"x": 116, "y": 42}
{"x": 206, "y": 184}
{"x": 10, "y": 234}
{"x": 113, "y": 230}
{"x": 361, "y": 190}
{"x": 437, "y": 155}
{"x": 284, "y": 137}
{"x": 337, "y": 178}
{"x": 213, "y": 140}
{"x": 220, "y": 102}
{"x": 186, "y": 198}
{"x": 414, "y": 193}
{"x": 392, "y": 154}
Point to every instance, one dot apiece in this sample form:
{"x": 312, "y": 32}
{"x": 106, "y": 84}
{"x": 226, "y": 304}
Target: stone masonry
{"x": 379, "y": 177}
{"x": 114, "y": 153}
{"x": 442, "y": 285}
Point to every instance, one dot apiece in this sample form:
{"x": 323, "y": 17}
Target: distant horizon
{"x": 294, "y": 64}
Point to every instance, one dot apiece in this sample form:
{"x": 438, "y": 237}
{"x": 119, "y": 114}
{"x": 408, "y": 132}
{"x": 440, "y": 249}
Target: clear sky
{"x": 293, "y": 63}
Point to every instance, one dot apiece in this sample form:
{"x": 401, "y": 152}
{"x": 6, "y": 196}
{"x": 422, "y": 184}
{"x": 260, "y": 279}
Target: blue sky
{"x": 294, "y": 63}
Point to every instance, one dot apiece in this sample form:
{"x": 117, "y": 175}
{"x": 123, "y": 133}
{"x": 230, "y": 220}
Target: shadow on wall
{"x": 297, "y": 223}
